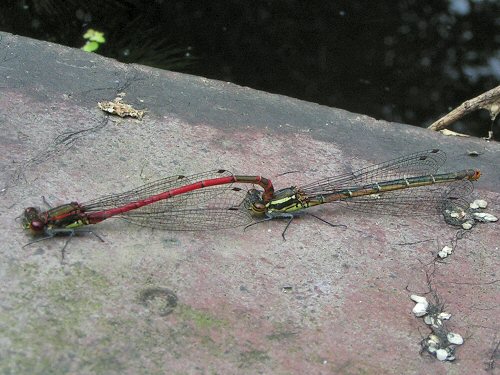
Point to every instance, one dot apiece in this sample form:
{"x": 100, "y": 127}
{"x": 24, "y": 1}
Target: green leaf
{"x": 94, "y": 36}
{"x": 90, "y": 46}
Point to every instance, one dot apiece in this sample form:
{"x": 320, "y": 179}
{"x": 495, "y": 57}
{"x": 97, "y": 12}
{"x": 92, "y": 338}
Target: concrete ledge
{"x": 328, "y": 300}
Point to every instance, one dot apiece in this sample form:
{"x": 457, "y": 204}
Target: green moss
{"x": 63, "y": 320}
{"x": 252, "y": 357}
{"x": 47, "y": 320}
{"x": 201, "y": 319}
{"x": 281, "y": 336}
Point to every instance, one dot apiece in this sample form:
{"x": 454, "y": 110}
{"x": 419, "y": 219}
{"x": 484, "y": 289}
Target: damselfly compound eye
{"x": 258, "y": 206}
{"x": 36, "y": 226}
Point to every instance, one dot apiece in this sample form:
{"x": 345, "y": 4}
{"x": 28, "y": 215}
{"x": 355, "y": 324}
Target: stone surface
{"x": 327, "y": 300}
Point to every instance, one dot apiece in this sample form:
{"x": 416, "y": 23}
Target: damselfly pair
{"x": 409, "y": 185}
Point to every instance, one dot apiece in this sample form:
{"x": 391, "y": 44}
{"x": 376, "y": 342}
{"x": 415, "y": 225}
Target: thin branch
{"x": 490, "y": 101}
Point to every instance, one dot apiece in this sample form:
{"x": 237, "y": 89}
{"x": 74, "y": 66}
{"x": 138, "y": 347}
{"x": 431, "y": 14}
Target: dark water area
{"x": 403, "y": 61}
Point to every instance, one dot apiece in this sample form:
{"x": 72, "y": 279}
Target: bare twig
{"x": 490, "y": 100}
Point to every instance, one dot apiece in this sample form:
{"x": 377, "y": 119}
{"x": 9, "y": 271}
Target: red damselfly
{"x": 202, "y": 201}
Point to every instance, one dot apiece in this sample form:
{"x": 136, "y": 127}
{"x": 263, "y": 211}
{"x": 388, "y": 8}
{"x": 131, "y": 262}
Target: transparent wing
{"x": 424, "y": 200}
{"x": 210, "y": 208}
{"x": 153, "y": 188}
{"x": 413, "y": 165}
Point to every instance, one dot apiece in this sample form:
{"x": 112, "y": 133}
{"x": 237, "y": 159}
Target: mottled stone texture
{"x": 326, "y": 301}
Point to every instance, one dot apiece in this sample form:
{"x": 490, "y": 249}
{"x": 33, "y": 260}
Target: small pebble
{"x": 444, "y": 316}
{"x": 447, "y": 250}
{"x": 442, "y": 254}
{"x": 432, "y": 321}
{"x": 484, "y": 217}
{"x": 433, "y": 340}
{"x": 478, "y": 203}
{"x": 431, "y": 349}
{"x": 455, "y": 338}
{"x": 441, "y": 354}
{"x": 418, "y": 299}
{"x": 420, "y": 309}
{"x": 467, "y": 225}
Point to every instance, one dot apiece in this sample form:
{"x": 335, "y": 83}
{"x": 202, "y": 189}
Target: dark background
{"x": 403, "y": 61}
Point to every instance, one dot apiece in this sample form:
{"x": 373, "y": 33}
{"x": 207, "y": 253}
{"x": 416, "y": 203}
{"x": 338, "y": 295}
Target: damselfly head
{"x": 31, "y": 220}
{"x": 254, "y": 203}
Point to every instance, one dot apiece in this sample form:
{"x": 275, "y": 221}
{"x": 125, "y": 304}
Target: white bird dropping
{"x": 441, "y": 354}
{"x": 455, "y": 338}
